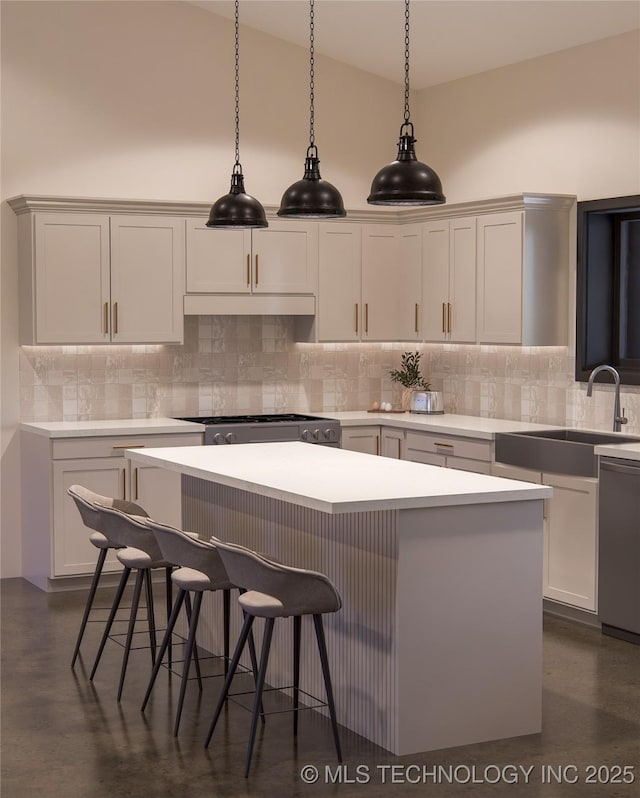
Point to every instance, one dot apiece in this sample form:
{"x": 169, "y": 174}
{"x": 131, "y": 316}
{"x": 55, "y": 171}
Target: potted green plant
{"x": 409, "y": 376}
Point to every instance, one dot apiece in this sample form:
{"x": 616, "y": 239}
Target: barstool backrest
{"x": 130, "y": 530}
{"x": 89, "y": 505}
{"x": 300, "y": 591}
{"x": 188, "y": 552}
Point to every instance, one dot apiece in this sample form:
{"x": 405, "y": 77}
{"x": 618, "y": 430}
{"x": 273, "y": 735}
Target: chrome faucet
{"x": 618, "y": 418}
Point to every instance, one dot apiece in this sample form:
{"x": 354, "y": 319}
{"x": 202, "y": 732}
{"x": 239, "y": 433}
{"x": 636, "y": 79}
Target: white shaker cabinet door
{"x": 461, "y": 311}
{"x": 71, "y": 278}
{"x": 147, "y": 279}
{"x": 500, "y": 265}
{"x": 218, "y": 261}
{"x": 159, "y": 492}
{"x": 339, "y": 315}
{"x": 285, "y": 257}
{"x": 73, "y": 554}
{"x": 435, "y": 279}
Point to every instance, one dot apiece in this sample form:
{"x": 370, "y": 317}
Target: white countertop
{"x": 127, "y": 426}
{"x": 623, "y": 451}
{"x": 335, "y": 480}
{"x": 448, "y": 423}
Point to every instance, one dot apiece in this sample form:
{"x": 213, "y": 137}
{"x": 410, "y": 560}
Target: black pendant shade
{"x": 406, "y": 181}
{"x": 237, "y": 208}
{"x": 312, "y": 196}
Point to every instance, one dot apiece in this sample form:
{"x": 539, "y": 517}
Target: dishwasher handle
{"x": 619, "y": 468}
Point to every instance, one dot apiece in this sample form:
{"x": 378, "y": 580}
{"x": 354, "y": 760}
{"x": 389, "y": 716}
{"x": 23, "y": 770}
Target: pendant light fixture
{"x": 406, "y": 181}
{"x": 237, "y": 208}
{"x": 311, "y": 197}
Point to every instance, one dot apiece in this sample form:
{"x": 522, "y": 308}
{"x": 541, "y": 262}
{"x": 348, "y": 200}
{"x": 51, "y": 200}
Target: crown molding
{"x": 29, "y": 203}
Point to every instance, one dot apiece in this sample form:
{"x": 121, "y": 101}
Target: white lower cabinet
{"x": 361, "y": 439}
{"x": 55, "y": 541}
{"x": 570, "y": 535}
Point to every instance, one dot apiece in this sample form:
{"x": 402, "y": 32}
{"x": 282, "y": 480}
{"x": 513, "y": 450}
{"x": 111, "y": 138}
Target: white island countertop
{"x": 335, "y": 480}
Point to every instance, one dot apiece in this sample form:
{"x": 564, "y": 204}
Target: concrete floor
{"x": 63, "y": 736}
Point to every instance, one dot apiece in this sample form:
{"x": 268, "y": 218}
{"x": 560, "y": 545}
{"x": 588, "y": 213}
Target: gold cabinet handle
{"x": 106, "y": 318}
{"x": 443, "y": 322}
{"x": 128, "y": 446}
{"x": 115, "y": 318}
{"x": 135, "y": 483}
{"x": 448, "y": 316}
{"x": 257, "y": 271}
{"x": 356, "y": 307}
{"x": 248, "y": 270}
{"x": 445, "y": 445}
{"x": 124, "y": 483}
{"x": 366, "y": 317}
{"x": 416, "y": 318}
{"x": 377, "y": 444}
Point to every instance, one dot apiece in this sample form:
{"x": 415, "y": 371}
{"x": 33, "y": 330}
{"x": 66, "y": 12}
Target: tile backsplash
{"x": 252, "y": 364}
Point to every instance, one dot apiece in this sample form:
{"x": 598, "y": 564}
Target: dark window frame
{"x": 599, "y": 299}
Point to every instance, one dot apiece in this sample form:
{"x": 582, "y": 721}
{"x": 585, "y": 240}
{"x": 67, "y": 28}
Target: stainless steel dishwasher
{"x": 619, "y": 549}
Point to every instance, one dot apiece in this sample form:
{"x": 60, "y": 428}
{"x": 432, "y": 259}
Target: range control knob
{"x": 306, "y": 435}
{"x": 316, "y": 435}
{"x": 218, "y": 439}
{"x": 329, "y": 434}
{"x": 230, "y": 437}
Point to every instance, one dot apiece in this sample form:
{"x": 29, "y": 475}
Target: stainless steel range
{"x": 268, "y": 428}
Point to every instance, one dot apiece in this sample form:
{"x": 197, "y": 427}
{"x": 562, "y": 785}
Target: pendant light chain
{"x": 312, "y": 133}
{"x": 237, "y": 15}
{"x": 407, "y": 113}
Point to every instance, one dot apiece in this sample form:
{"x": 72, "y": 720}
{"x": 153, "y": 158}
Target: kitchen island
{"x": 439, "y": 640}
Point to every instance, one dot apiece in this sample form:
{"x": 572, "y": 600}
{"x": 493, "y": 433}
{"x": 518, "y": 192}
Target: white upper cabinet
{"x": 91, "y": 278}
{"x": 449, "y": 280}
{"x": 278, "y": 259}
{"x": 147, "y": 279}
{"x": 391, "y": 282}
{"x": 339, "y": 313}
{"x": 523, "y": 275}
{"x": 65, "y": 285}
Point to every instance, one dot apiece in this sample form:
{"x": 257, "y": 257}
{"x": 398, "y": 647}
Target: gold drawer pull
{"x": 257, "y": 271}
{"x": 124, "y": 483}
{"x": 416, "y": 318}
{"x": 356, "y": 306}
{"x": 135, "y": 483}
{"x": 128, "y": 446}
{"x": 443, "y": 322}
{"x": 248, "y": 269}
{"x": 445, "y": 445}
{"x": 106, "y": 318}
{"x": 448, "y": 316}
{"x": 115, "y": 318}
{"x": 366, "y": 317}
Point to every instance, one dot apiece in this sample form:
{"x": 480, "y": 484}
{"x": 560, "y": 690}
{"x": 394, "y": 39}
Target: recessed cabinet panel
{"x": 218, "y": 261}
{"x": 500, "y": 265}
{"x": 147, "y": 263}
{"x": 435, "y": 279}
{"x": 284, "y": 258}
{"x": 71, "y": 278}
{"x": 339, "y": 315}
{"x": 461, "y": 316}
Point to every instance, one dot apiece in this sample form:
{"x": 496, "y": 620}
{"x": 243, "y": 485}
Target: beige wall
{"x": 566, "y": 123}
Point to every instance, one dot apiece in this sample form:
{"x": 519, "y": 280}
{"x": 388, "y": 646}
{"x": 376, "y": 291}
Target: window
{"x": 608, "y": 287}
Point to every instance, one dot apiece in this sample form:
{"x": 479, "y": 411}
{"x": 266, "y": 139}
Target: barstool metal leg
{"x": 257, "y": 702}
{"x": 322, "y": 648}
{"x": 151, "y": 615}
{"x": 169, "y": 601}
{"x": 92, "y": 592}
{"x": 226, "y": 596}
{"x": 297, "y": 623}
{"x": 112, "y": 614}
{"x": 244, "y": 634}
{"x": 132, "y": 622}
{"x": 196, "y": 658}
{"x": 193, "y": 626}
{"x": 163, "y": 647}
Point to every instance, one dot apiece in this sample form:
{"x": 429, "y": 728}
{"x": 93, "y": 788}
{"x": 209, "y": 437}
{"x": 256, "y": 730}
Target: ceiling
{"x": 450, "y": 39}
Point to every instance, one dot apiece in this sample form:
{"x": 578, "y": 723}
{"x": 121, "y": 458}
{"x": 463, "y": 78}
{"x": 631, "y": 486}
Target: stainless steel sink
{"x": 561, "y": 451}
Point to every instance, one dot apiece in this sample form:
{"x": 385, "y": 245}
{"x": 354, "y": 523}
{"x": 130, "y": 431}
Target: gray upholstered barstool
{"x": 138, "y": 551}
{"x": 277, "y": 591}
{"x": 89, "y": 505}
{"x": 200, "y": 570}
